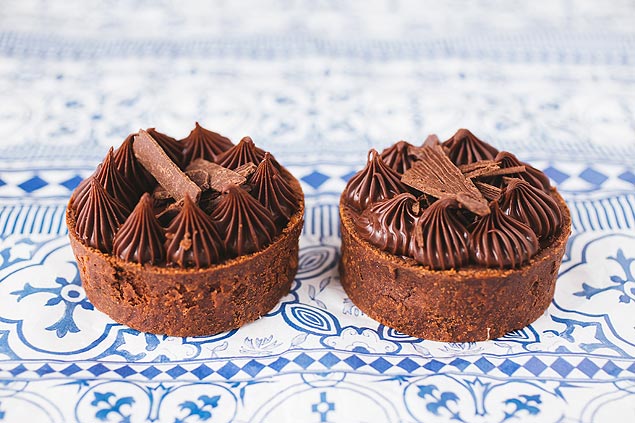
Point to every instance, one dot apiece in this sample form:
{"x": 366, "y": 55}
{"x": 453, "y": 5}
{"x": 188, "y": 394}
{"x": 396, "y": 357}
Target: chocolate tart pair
{"x": 451, "y": 241}
{"x": 189, "y": 237}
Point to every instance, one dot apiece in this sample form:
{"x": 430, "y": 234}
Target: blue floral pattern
{"x": 551, "y": 83}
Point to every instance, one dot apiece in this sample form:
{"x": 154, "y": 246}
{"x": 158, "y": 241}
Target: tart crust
{"x": 191, "y": 302}
{"x": 466, "y": 305}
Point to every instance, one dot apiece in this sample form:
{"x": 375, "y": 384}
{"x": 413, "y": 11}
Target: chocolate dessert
{"x": 451, "y": 241}
{"x": 189, "y": 237}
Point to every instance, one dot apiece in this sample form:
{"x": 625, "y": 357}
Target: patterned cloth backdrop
{"x": 317, "y": 83}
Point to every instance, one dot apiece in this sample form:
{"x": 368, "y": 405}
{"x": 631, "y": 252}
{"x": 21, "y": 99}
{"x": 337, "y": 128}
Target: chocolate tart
{"x": 452, "y": 241}
{"x": 209, "y": 247}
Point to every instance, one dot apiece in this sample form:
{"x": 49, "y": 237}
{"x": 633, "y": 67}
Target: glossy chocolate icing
{"x": 240, "y": 154}
{"x": 499, "y": 240}
{"x": 140, "y": 238}
{"x": 373, "y": 183}
{"x": 398, "y": 157}
{"x": 532, "y": 175}
{"x": 246, "y": 226}
{"x": 531, "y": 206}
{"x": 192, "y": 239}
{"x": 465, "y": 148}
{"x": 440, "y": 240}
{"x": 129, "y": 166}
{"x": 272, "y": 190}
{"x": 99, "y": 217}
{"x": 388, "y": 223}
{"x": 202, "y": 143}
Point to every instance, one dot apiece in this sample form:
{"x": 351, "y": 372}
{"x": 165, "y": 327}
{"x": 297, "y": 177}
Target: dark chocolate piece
{"x": 219, "y": 176}
{"x": 155, "y": 160}
{"x": 172, "y": 147}
{"x": 246, "y": 170}
{"x": 490, "y": 192}
{"x": 436, "y": 175}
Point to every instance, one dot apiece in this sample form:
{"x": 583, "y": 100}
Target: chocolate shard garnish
{"x": 155, "y": 160}
{"x": 219, "y": 176}
{"x": 476, "y": 169}
{"x": 436, "y": 175}
{"x": 490, "y": 192}
{"x": 199, "y": 177}
{"x": 431, "y": 140}
{"x": 246, "y": 170}
{"x": 172, "y": 147}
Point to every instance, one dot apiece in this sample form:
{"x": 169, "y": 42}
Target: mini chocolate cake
{"x": 186, "y": 238}
{"x": 451, "y": 241}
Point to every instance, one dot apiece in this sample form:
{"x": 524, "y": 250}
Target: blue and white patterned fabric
{"x": 317, "y": 83}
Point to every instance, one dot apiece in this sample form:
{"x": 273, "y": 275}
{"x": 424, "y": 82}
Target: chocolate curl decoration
{"x": 99, "y": 217}
{"x": 140, "y": 239}
{"x": 440, "y": 239}
{"x": 375, "y": 182}
{"x": 531, "y": 206}
{"x": 192, "y": 239}
{"x": 499, "y": 240}
{"x": 204, "y": 144}
{"x": 465, "y": 148}
{"x": 245, "y": 224}
{"x": 388, "y": 223}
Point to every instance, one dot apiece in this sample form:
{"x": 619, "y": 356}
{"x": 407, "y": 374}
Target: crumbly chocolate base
{"x": 190, "y": 302}
{"x": 468, "y": 305}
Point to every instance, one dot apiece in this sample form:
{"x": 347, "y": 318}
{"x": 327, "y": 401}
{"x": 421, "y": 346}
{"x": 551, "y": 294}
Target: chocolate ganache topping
{"x": 192, "y": 239}
{"x": 129, "y": 166}
{"x": 140, "y": 238}
{"x": 241, "y": 154}
{"x": 247, "y": 226}
{"x": 373, "y": 183}
{"x": 499, "y": 240}
{"x": 531, "y": 206}
{"x": 272, "y": 190}
{"x": 476, "y": 205}
{"x": 532, "y": 175}
{"x": 440, "y": 239}
{"x": 99, "y": 217}
{"x": 388, "y": 223}
{"x": 112, "y": 181}
{"x": 202, "y": 143}
{"x": 465, "y": 148}
{"x": 171, "y": 146}
{"x": 398, "y": 156}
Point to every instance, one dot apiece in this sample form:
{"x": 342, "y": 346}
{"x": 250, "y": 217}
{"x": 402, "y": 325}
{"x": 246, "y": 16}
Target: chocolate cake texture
{"x": 189, "y": 237}
{"x": 451, "y": 241}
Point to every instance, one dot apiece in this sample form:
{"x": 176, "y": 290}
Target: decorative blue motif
{"x": 108, "y": 403}
{"x": 524, "y": 403}
{"x": 69, "y": 293}
{"x": 626, "y": 284}
{"x": 442, "y": 401}
{"x": 323, "y": 407}
{"x": 201, "y": 409}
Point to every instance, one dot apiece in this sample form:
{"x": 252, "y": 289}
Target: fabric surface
{"x": 317, "y": 83}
